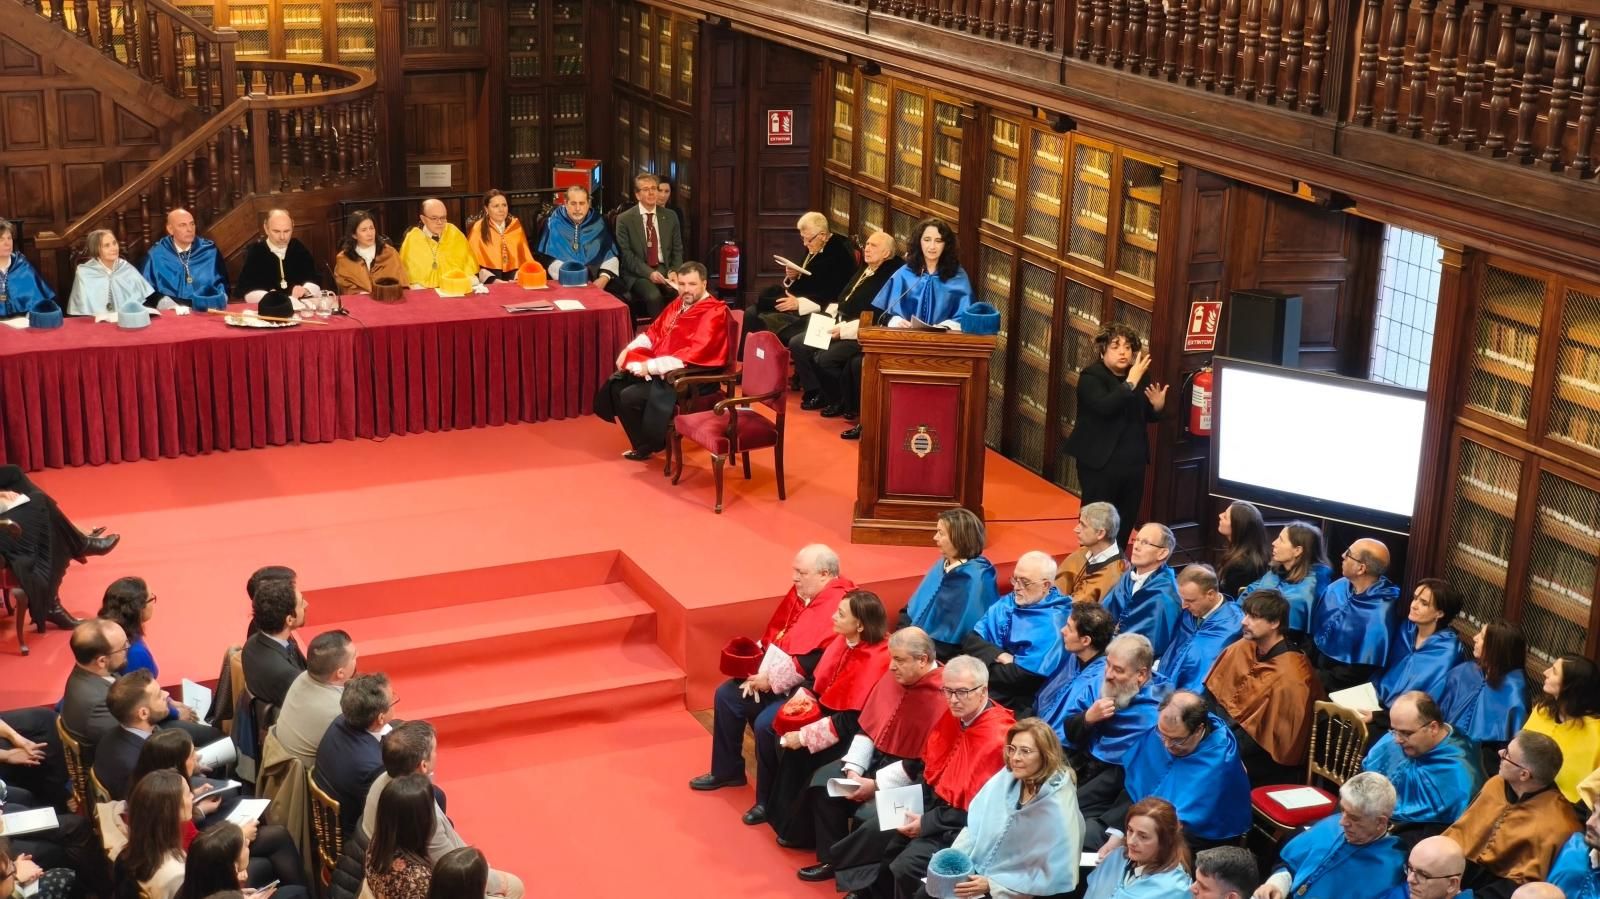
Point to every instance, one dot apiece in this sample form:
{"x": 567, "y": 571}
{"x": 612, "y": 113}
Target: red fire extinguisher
{"x": 728, "y": 269}
{"x": 1200, "y": 403}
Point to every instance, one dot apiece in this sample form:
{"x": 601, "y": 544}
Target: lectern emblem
{"x": 922, "y": 441}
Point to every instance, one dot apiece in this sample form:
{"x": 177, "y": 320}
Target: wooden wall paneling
{"x": 79, "y": 113}
{"x": 390, "y": 42}
{"x": 780, "y": 78}
{"x": 16, "y": 59}
{"x": 28, "y": 192}
{"x": 22, "y": 121}
{"x": 440, "y": 127}
{"x": 489, "y": 139}
{"x": 721, "y": 174}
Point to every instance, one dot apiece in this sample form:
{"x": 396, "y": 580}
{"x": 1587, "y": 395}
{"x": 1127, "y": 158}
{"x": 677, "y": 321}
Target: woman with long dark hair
{"x": 499, "y": 245}
{"x": 931, "y": 287}
{"x": 397, "y": 857}
{"x": 365, "y": 256}
{"x": 219, "y": 861}
{"x": 1567, "y": 710}
{"x": 1299, "y": 570}
{"x": 458, "y": 873}
{"x": 1248, "y": 550}
{"x": 1486, "y": 697}
{"x": 1154, "y": 861}
{"x": 159, "y": 832}
{"x": 1428, "y": 647}
{"x": 129, "y": 602}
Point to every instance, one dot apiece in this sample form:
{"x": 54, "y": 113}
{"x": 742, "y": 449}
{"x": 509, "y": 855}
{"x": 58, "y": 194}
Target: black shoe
{"x": 832, "y": 412}
{"x": 99, "y": 546}
{"x": 637, "y": 456}
{"x": 852, "y": 415}
{"x": 812, "y": 401}
{"x": 787, "y": 843}
{"x": 713, "y": 782}
{"x": 852, "y": 434}
{"x": 59, "y": 617}
{"x": 815, "y": 873}
{"x": 756, "y": 815}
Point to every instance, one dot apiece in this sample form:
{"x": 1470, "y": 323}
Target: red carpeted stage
{"x": 553, "y": 608}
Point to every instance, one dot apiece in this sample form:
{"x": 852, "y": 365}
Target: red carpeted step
{"x": 447, "y": 589}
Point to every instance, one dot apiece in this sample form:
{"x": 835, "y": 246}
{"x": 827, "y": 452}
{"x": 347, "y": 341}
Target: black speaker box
{"x": 1262, "y": 326}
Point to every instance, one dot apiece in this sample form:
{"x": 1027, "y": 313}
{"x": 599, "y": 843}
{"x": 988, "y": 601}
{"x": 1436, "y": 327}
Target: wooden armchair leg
{"x": 673, "y": 447}
{"x": 746, "y": 466}
{"x": 716, "y": 470}
{"x": 20, "y": 601}
{"x": 777, "y": 464}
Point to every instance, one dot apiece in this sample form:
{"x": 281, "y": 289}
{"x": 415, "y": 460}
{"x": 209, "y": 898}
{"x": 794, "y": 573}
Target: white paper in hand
{"x": 30, "y": 821}
{"x": 840, "y": 787}
{"x": 214, "y": 756}
{"x": 8, "y": 505}
{"x": 197, "y": 697}
{"x": 790, "y": 263}
{"x": 1298, "y": 797}
{"x": 817, "y": 327}
{"x": 249, "y": 810}
{"x": 896, "y": 805}
{"x": 1361, "y": 697}
{"x": 1089, "y": 860}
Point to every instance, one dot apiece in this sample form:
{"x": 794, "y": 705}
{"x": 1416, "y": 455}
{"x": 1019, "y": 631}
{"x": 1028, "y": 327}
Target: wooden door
{"x": 441, "y": 129}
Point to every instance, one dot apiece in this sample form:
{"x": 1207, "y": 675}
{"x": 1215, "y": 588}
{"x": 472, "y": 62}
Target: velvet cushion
{"x": 1291, "y": 818}
{"x": 710, "y": 430}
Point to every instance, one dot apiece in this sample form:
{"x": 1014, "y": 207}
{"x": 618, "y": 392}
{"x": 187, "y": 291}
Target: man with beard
{"x": 1019, "y": 637}
{"x": 99, "y": 650}
{"x": 1577, "y": 866}
{"x": 1265, "y": 690}
{"x": 1101, "y": 735}
{"x": 1076, "y": 682}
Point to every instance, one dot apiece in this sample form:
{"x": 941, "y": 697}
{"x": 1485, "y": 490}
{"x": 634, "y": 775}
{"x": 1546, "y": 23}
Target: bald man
{"x": 1019, "y": 637}
{"x": 279, "y": 261}
{"x": 1539, "y": 891}
{"x": 827, "y": 260}
{"x": 1433, "y": 871}
{"x": 186, "y": 267}
{"x": 435, "y": 248}
{"x": 1357, "y": 618}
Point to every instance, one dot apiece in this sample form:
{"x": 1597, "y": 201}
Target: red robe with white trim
{"x": 694, "y": 334}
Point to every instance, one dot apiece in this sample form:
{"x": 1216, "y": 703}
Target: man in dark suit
{"x": 272, "y": 659}
{"x": 138, "y": 703}
{"x": 99, "y": 648}
{"x": 1116, "y": 400}
{"x": 650, "y": 245}
{"x": 829, "y": 261}
{"x": 350, "y": 756}
{"x": 38, "y": 542}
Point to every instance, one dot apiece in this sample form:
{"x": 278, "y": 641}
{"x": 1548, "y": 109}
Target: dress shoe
{"x": 815, "y": 873}
{"x": 852, "y": 415}
{"x": 61, "y": 618}
{"x": 852, "y": 434}
{"x": 637, "y": 456}
{"x": 99, "y": 546}
{"x": 812, "y": 401}
{"x": 787, "y": 843}
{"x": 713, "y": 782}
{"x": 756, "y": 815}
{"x": 833, "y": 412}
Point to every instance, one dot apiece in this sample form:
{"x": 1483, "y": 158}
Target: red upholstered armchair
{"x": 731, "y": 428}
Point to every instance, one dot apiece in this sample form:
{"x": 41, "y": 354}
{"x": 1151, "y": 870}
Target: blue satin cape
{"x": 594, "y": 242}
{"x": 164, "y": 271}
{"x": 1208, "y": 787}
{"x": 1196, "y": 646}
{"x": 1431, "y": 789}
{"x": 1482, "y": 713}
{"x": 1073, "y": 688}
{"x": 1403, "y": 891}
{"x": 1106, "y": 881}
{"x": 1302, "y": 594}
{"x": 1330, "y": 868}
{"x": 1115, "y": 736}
{"x": 1572, "y": 871}
{"x": 1422, "y": 669}
{"x": 924, "y": 296}
{"x": 1152, "y": 610}
{"x": 1032, "y": 634}
{"x": 947, "y": 604}
{"x": 24, "y": 288}
{"x": 97, "y": 290}
{"x": 1357, "y": 628}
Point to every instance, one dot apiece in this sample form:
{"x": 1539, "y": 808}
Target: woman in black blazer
{"x": 1116, "y": 400}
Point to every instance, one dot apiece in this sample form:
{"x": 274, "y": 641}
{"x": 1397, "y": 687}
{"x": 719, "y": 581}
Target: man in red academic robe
{"x": 800, "y": 629}
{"x": 692, "y": 332}
{"x": 893, "y": 726}
{"x": 964, "y": 750}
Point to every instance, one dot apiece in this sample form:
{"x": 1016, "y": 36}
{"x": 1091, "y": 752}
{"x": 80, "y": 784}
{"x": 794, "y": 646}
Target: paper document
{"x": 20, "y": 322}
{"x": 30, "y": 821}
{"x": 197, "y": 697}
{"x": 215, "y": 792}
{"x": 842, "y": 786}
{"x": 9, "y": 504}
{"x": 249, "y": 810}
{"x": 217, "y": 755}
{"x": 897, "y": 805}
{"x": 535, "y": 306}
{"x": 1361, "y": 697}
{"x": 790, "y": 263}
{"x": 817, "y": 327}
{"x": 918, "y": 324}
{"x": 569, "y": 305}
{"x": 1299, "y": 797}
{"x": 1089, "y": 860}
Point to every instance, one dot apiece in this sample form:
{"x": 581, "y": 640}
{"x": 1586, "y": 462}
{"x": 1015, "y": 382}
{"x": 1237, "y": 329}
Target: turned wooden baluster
{"x": 1367, "y": 77}
{"x": 202, "y": 74}
{"x": 1047, "y": 25}
{"x": 1588, "y": 106}
{"x": 330, "y": 146}
{"x": 1082, "y": 28}
{"x": 1171, "y": 39}
{"x": 1208, "y": 45}
{"x": 1271, "y": 50}
{"x": 1394, "y": 65}
{"x": 947, "y": 16}
{"x": 1294, "y": 47}
{"x": 999, "y": 20}
{"x": 1115, "y": 31}
{"x": 58, "y": 13}
{"x": 1316, "y": 55}
{"x": 1419, "y": 66}
{"x": 164, "y": 198}
{"x": 1560, "y": 95}
{"x": 107, "y": 45}
{"x": 213, "y": 176}
{"x": 1028, "y": 18}
{"x": 1134, "y": 56}
{"x": 235, "y": 150}
{"x": 146, "y": 212}
{"x": 1102, "y": 18}
{"x": 307, "y": 142}
{"x": 1532, "y": 69}
{"x": 80, "y": 18}
{"x": 1250, "y": 48}
{"x": 1191, "y": 41}
{"x": 964, "y": 21}
{"x": 1160, "y": 30}
{"x": 1228, "y": 50}
{"x": 283, "y": 150}
{"x": 191, "y": 183}
{"x": 1445, "y": 93}
{"x": 1472, "y": 84}
{"x": 1494, "y": 141}
{"x": 130, "y": 35}
{"x": 985, "y": 23}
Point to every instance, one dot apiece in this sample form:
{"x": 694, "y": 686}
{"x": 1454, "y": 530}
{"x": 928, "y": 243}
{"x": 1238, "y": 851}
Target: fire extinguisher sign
{"x": 780, "y": 127}
{"x": 1200, "y": 335}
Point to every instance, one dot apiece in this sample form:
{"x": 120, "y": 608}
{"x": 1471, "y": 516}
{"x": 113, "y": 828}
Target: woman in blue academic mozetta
{"x": 959, "y": 587}
{"x": 931, "y": 287}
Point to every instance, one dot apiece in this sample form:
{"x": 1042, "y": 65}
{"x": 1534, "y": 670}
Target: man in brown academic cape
{"x": 1097, "y": 564}
{"x": 1265, "y": 689}
{"x": 893, "y": 726}
{"x": 1513, "y": 830}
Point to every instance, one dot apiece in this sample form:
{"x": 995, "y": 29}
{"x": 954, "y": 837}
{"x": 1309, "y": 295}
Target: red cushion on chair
{"x": 1298, "y": 817}
{"x": 710, "y": 430}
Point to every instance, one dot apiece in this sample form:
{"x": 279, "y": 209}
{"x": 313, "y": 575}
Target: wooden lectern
{"x": 924, "y": 397}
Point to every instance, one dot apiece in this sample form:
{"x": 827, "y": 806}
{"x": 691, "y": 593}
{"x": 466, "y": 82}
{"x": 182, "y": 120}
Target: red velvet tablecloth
{"x": 89, "y": 393}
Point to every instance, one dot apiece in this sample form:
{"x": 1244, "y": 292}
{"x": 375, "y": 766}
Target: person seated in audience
{"x": 1247, "y": 552}
{"x": 40, "y": 545}
{"x": 364, "y": 256}
{"x": 852, "y": 664}
{"x": 31, "y": 756}
{"x": 1299, "y": 570}
{"x": 21, "y": 286}
{"x": 649, "y": 247}
{"x": 1576, "y": 869}
{"x": 1225, "y": 872}
{"x": 1191, "y": 760}
{"x": 1019, "y": 638}
{"x": 1090, "y": 571}
{"x": 1433, "y": 871}
{"x": 800, "y": 628}
{"x": 129, "y": 602}
{"x": 218, "y": 860}
{"x": 1517, "y": 824}
{"x": 99, "y": 650}
{"x": 782, "y": 308}
{"x": 1356, "y": 622}
{"x": 575, "y": 234}
{"x": 671, "y": 200}
{"x": 279, "y": 261}
{"x": 958, "y": 588}
{"x": 822, "y": 372}
{"x": 19, "y": 872}
{"x": 1427, "y": 648}
{"x": 1486, "y": 697}
{"x": 931, "y": 287}
{"x": 186, "y": 267}
{"x": 1536, "y": 890}
{"x": 1567, "y": 709}
{"x": 1152, "y": 863}
{"x": 139, "y": 704}
{"x": 398, "y": 865}
{"x": 271, "y": 657}
{"x": 1077, "y": 680}
{"x": 1145, "y": 599}
{"x": 1100, "y": 737}
{"x": 498, "y": 243}
{"x": 1023, "y": 829}
{"x": 691, "y": 332}
{"x": 434, "y": 247}
{"x": 72, "y": 844}
{"x": 160, "y": 828}
{"x": 312, "y": 702}
{"x": 413, "y": 748}
{"x": 1266, "y": 689}
{"x": 1344, "y": 856}
{"x": 350, "y": 756}
{"x": 1434, "y": 770}
{"x": 104, "y": 281}
{"x": 1209, "y": 624}
{"x": 894, "y": 724}
{"x": 460, "y": 872}
{"x": 962, "y": 752}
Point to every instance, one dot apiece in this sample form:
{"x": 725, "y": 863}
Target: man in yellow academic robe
{"x": 435, "y": 248}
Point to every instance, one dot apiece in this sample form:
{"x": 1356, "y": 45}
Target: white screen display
{"x": 1324, "y": 440}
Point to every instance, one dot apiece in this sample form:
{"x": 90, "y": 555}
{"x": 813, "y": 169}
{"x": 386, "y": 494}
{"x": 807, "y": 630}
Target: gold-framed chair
{"x": 77, "y": 771}
{"x": 1338, "y": 744}
{"x": 325, "y": 826}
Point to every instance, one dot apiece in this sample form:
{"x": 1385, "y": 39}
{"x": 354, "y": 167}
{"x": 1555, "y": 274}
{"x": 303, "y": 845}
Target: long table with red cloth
{"x": 89, "y": 393}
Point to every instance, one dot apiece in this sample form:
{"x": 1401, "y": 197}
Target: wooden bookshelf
{"x": 910, "y": 134}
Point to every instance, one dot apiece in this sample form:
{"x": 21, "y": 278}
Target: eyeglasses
{"x": 1021, "y": 751}
{"x": 1505, "y": 756}
{"x": 1174, "y": 745}
{"x": 1024, "y": 583}
{"x": 1414, "y": 874}
{"x": 152, "y": 600}
{"x": 959, "y": 694}
{"x": 437, "y": 218}
{"x": 1140, "y": 541}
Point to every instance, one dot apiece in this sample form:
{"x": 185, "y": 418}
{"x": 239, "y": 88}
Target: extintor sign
{"x": 780, "y": 127}
{"x": 1200, "y": 335}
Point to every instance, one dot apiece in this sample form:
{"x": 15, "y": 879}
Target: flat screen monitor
{"x": 1323, "y": 445}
